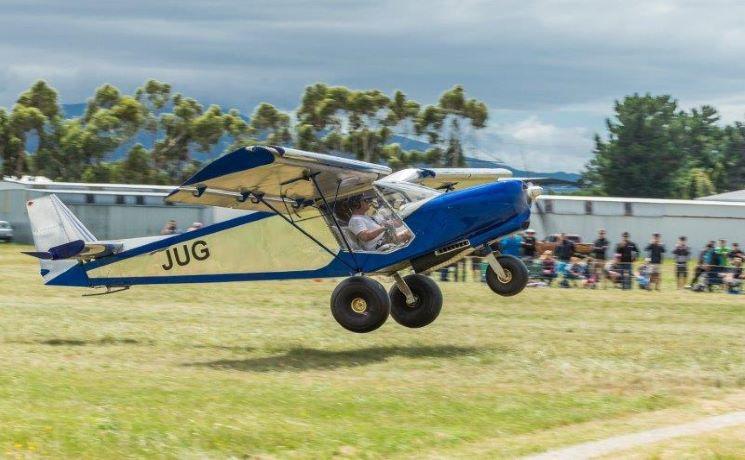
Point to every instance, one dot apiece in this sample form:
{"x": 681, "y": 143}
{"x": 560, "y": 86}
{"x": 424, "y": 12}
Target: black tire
{"x": 428, "y": 302}
{"x": 360, "y": 304}
{"x": 517, "y": 276}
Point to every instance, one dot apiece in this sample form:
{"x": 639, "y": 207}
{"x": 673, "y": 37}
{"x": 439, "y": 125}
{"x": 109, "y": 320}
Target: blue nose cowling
{"x": 483, "y": 212}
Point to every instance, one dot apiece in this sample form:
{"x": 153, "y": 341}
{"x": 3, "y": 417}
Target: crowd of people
{"x": 595, "y": 264}
{"x": 171, "y": 228}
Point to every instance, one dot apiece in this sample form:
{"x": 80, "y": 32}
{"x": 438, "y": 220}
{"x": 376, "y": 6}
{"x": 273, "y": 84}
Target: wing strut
{"x": 333, "y": 214}
{"x": 259, "y": 198}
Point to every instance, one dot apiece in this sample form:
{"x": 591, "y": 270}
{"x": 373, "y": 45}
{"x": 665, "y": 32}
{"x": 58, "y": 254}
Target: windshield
{"x": 402, "y": 197}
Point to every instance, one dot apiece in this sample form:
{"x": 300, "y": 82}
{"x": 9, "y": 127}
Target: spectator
{"x": 511, "y": 245}
{"x": 722, "y": 254}
{"x": 656, "y": 250}
{"x": 600, "y": 246}
{"x": 644, "y": 273}
{"x": 613, "y": 269}
{"x": 629, "y": 252}
{"x": 736, "y": 253}
{"x": 682, "y": 255}
{"x": 733, "y": 280}
{"x": 572, "y": 273}
{"x": 528, "y": 244}
{"x": 589, "y": 273}
{"x": 564, "y": 251}
{"x": 704, "y": 258}
{"x": 195, "y": 226}
{"x": 600, "y": 252}
{"x": 170, "y": 228}
{"x": 548, "y": 267}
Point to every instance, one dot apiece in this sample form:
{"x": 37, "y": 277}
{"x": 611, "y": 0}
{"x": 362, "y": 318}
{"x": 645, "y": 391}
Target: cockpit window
{"x": 369, "y": 224}
{"x": 404, "y": 198}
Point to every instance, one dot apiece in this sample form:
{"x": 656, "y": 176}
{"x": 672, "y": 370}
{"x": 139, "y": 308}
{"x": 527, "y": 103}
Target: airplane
{"x": 312, "y": 216}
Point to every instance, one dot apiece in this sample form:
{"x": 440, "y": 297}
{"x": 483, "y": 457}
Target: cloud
{"x": 532, "y": 144}
{"x": 558, "y": 64}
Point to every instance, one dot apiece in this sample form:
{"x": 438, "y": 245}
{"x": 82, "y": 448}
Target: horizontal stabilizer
{"x": 63, "y": 251}
{"x": 38, "y": 254}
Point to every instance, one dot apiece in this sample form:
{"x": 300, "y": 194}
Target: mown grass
{"x": 262, "y": 369}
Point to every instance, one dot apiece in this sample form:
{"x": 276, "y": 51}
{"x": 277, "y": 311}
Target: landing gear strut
{"x": 416, "y": 300}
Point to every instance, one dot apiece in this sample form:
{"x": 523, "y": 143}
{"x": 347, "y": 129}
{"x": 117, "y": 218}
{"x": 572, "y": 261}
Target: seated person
{"x": 573, "y": 272}
{"x": 548, "y": 266}
{"x": 612, "y": 269}
{"x": 735, "y": 277}
{"x": 588, "y": 272}
{"x": 644, "y": 274}
{"x": 372, "y": 233}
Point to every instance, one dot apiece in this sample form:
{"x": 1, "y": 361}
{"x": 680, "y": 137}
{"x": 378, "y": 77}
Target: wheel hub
{"x": 359, "y": 305}
{"x": 506, "y": 278}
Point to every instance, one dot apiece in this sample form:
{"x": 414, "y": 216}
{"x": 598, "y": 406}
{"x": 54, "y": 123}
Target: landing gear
{"x": 506, "y": 275}
{"x": 420, "y": 305}
{"x": 360, "y": 304}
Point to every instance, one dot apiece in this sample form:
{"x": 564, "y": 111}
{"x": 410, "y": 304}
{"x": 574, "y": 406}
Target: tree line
{"x": 37, "y": 139}
{"x": 654, "y": 149}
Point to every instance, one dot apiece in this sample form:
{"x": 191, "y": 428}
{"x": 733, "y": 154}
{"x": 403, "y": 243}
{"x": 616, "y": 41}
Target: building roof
{"x": 738, "y": 195}
{"x": 42, "y": 183}
{"x": 638, "y": 200}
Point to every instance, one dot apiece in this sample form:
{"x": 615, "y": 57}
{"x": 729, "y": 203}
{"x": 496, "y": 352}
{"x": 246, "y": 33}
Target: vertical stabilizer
{"x": 53, "y": 224}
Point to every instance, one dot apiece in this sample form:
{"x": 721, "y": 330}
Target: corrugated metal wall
{"x": 700, "y": 222}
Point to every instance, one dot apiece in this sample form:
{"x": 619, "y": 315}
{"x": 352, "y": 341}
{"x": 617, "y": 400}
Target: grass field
{"x": 262, "y": 369}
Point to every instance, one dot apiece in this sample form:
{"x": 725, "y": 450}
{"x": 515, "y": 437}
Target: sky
{"x": 549, "y": 71}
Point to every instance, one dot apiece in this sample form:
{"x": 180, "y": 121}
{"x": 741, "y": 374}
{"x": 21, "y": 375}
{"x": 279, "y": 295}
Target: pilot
{"x": 372, "y": 234}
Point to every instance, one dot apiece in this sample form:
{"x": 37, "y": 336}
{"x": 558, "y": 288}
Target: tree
{"x": 83, "y": 144}
{"x": 32, "y": 118}
{"x": 270, "y": 125}
{"x": 640, "y": 156}
{"x": 444, "y": 124}
{"x": 188, "y": 127}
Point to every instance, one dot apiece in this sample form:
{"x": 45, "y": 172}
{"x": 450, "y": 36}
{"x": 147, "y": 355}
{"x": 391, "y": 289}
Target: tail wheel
{"x": 425, "y": 309}
{"x": 360, "y": 304}
{"x": 514, "y": 280}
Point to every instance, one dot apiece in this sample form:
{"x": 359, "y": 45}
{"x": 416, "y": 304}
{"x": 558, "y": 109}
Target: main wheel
{"x": 360, "y": 304}
{"x": 427, "y": 306}
{"x": 515, "y": 279}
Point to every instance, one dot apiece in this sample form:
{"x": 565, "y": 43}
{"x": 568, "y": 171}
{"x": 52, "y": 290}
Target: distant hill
{"x": 406, "y": 143}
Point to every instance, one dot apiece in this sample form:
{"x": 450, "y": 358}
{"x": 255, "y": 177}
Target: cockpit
{"x": 373, "y": 221}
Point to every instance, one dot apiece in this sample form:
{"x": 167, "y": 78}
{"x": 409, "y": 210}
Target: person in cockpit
{"x": 374, "y": 233}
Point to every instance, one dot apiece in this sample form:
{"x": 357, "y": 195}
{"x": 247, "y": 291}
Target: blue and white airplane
{"x": 313, "y": 216}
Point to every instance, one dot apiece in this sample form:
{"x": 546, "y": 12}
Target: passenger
{"x": 373, "y": 235}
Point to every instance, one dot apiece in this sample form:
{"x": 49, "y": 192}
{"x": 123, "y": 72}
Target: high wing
{"x": 277, "y": 179}
{"x": 449, "y": 178}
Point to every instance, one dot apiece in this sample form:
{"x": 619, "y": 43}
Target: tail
{"x": 53, "y": 224}
{"x": 58, "y": 235}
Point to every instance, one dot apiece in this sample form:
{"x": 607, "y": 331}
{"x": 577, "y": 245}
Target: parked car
{"x": 6, "y": 231}
{"x": 549, "y": 244}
